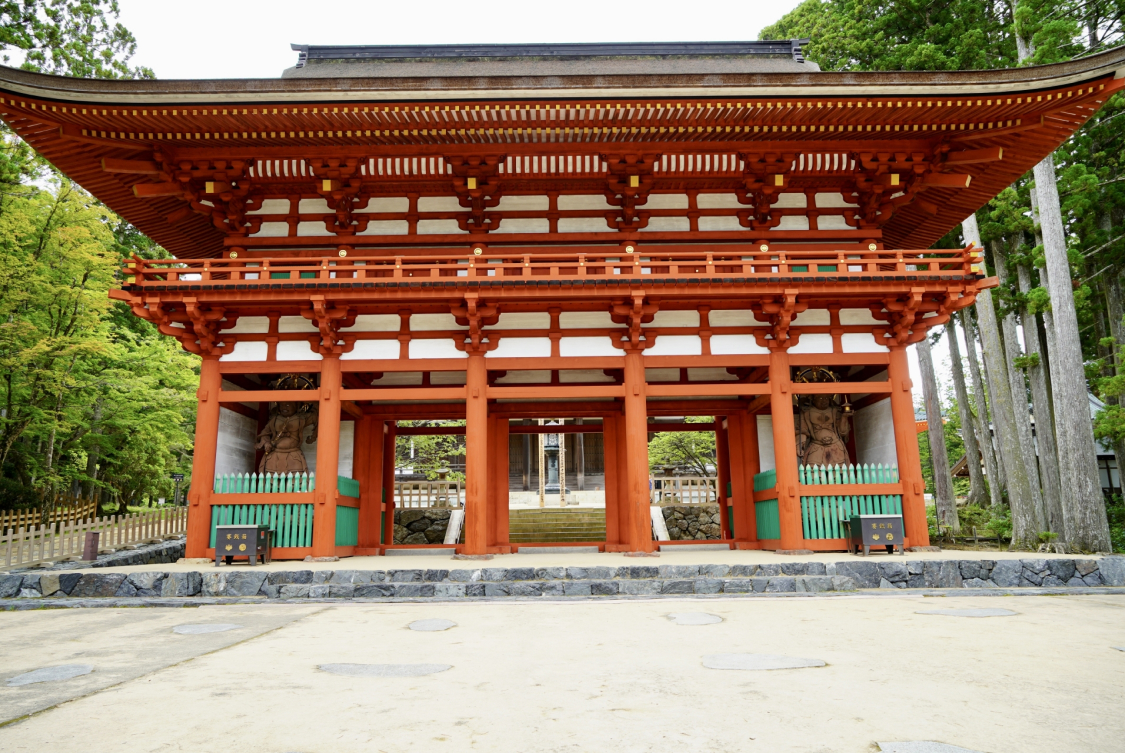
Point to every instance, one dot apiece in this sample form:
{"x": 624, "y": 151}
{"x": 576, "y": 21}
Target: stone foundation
{"x": 632, "y": 580}
{"x": 425, "y": 526}
{"x": 692, "y": 522}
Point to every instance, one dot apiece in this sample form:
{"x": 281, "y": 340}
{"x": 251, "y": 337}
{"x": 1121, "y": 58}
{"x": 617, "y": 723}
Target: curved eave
{"x": 342, "y": 89}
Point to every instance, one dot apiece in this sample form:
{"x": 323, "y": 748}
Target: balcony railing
{"x": 732, "y": 261}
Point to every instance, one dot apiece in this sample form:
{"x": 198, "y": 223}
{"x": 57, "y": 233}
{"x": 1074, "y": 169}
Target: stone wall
{"x": 690, "y": 522}
{"x": 630, "y": 580}
{"x": 421, "y": 526}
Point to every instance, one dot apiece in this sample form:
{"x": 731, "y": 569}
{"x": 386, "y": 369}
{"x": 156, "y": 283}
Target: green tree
{"x": 693, "y": 450}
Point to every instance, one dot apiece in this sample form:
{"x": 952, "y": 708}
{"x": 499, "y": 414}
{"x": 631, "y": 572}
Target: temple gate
{"x": 502, "y": 234}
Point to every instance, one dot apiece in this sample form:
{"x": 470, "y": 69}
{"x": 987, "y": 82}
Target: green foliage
{"x": 16, "y": 496}
{"x": 1115, "y": 510}
{"x": 1109, "y": 423}
{"x": 691, "y": 450}
{"x": 1029, "y": 361}
{"x": 427, "y": 453}
{"x": 1000, "y": 523}
{"x": 69, "y": 37}
{"x": 81, "y": 396}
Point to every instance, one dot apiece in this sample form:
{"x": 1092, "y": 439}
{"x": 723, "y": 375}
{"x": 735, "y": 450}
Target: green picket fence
{"x": 347, "y": 526}
{"x": 292, "y": 525}
{"x": 822, "y": 515}
{"x": 278, "y": 483}
{"x": 264, "y": 483}
{"x": 348, "y": 487}
{"x": 766, "y": 516}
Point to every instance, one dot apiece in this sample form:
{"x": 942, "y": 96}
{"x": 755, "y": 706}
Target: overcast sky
{"x": 251, "y": 38}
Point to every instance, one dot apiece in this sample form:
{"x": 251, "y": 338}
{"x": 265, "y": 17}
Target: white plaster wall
{"x": 296, "y": 350}
{"x": 875, "y": 434}
{"x": 765, "y": 442}
{"x": 250, "y": 325}
{"x": 587, "y": 346}
{"x": 376, "y": 323}
{"x": 676, "y": 345}
{"x": 435, "y": 349}
{"x": 675, "y": 319}
{"x": 858, "y": 316}
{"x": 861, "y": 342}
{"x": 723, "y": 224}
{"x": 372, "y": 349}
{"x": 524, "y": 225}
{"x": 734, "y": 318}
{"x": 586, "y": 320}
{"x": 718, "y": 201}
{"x": 667, "y": 225}
{"x": 234, "y": 452}
{"x": 521, "y": 347}
{"x": 527, "y": 320}
{"x": 813, "y": 318}
{"x": 347, "y": 450}
{"x": 387, "y": 227}
{"x": 813, "y": 343}
{"x": 247, "y": 351}
{"x": 589, "y": 201}
{"x": 732, "y": 345}
{"x": 287, "y": 324}
{"x": 433, "y": 323}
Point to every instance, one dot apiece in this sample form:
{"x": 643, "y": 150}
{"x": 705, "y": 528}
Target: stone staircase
{"x": 556, "y": 524}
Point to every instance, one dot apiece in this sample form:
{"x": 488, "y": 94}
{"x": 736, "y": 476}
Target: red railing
{"x": 558, "y": 265}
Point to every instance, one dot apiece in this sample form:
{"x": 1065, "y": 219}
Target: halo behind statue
{"x": 293, "y": 382}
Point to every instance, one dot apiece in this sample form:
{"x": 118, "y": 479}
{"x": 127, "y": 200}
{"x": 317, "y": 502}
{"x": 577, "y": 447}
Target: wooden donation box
{"x": 242, "y": 541}
{"x": 875, "y": 530}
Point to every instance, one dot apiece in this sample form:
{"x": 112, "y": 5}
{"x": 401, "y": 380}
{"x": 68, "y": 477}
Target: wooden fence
{"x": 72, "y": 513}
{"x": 685, "y": 490}
{"x": 26, "y": 546}
{"x": 442, "y": 494}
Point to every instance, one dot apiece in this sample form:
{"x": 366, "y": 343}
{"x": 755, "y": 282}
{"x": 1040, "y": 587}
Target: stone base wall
{"x": 632, "y": 580}
{"x": 425, "y": 526}
{"x": 692, "y": 522}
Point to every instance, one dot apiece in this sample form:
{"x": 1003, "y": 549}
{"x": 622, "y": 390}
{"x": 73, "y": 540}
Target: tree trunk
{"x": 1116, "y": 311}
{"x": 978, "y": 492}
{"x": 1024, "y": 531}
{"x": 997, "y": 481}
{"x": 1012, "y": 351}
{"x": 1085, "y": 527}
{"x": 92, "y": 452}
{"x": 1044, "y": 416}
{"x": 945, "y": 504}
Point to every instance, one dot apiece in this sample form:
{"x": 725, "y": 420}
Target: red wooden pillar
{"x": 498, "y": 484}
{"x": 390, "y": 438}
{"x": 722, "y": 465}
{"x": 327, "y": 459}
{"x": 368, "y": 466}
{"x": 751, "y": 465}
{"x": 906, "y": 447}
{"x": 476, "y": 456}
{"x": 638, "y": 536}
{"x": 203, "y": 458}
{"x": 613, "y": 480}
{"x": 785, "y": 452}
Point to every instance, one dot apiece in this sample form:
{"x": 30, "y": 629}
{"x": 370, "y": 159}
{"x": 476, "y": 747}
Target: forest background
{"x": 94, "y": 402}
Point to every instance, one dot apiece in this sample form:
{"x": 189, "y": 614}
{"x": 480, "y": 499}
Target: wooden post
{"x": 498, "y": 493}
{"x": 785, "y": 452}
{"x": 613, "y": 473}
{"x": 203, "y": 461}
{"x": 390, "y": 437}
{"x": 742, "y": 485}
{"x": 638, "y": 536}
{"x": 327, "y": 459}
{"x": 580, "y": 457}
{"x": 906, "y": 446}
{"x": 476, "y": 456}
{"x": 369, "y": 474}
{"x": 722, "y": 466}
